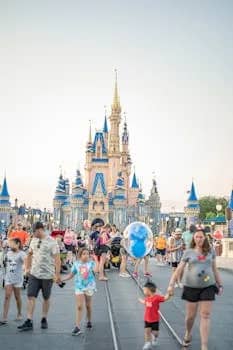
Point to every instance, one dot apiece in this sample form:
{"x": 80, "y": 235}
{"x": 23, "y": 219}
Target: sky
{"x": 175, "y": 75}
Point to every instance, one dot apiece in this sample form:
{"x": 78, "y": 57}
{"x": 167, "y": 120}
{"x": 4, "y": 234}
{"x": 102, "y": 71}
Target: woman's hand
{"x": 220, "y": 290}
{"x": 170, "y": 290}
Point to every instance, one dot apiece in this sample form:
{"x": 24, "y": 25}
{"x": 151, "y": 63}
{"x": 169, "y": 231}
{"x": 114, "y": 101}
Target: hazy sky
{"x": 175, "y": 63}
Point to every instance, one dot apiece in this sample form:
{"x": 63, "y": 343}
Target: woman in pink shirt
{"x": 69, "y": 241}
{"x": 102, "y": 243}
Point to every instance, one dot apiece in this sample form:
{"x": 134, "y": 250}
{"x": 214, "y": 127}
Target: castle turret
{"x": 153, "y": 207}
{"x": 5, "y": 205}
{"x": 126, "y": 162}
{"x": 105, "y": 128}
{"x": 114, "y": 138}
{"x": 192, "y": 209}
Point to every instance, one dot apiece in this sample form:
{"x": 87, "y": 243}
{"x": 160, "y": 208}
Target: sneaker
{"x": 147, "y": 346}
{"x": 44, "y": 323}
{"x": 26, "y": 326}
{"x": 89, "y": 325}
{"x": 147, "y": 274}
{"x": 135, "y": 274}
{"x": 76, "y": 331}
{"x": 124, "y": 275}
{"x": 3, "y": 323}
{"x": 154, "y": 342}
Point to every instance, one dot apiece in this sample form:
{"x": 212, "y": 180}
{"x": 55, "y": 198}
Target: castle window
{"x": 98, "y": 152}
{"x": 94, "y": 205}
{"x": 102, "y": 205}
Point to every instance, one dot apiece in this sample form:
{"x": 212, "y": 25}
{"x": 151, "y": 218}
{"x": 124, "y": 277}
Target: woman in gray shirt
{"x": 201, "y": 282}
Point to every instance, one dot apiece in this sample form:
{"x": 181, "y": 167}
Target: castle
{"x": 110, "y": 190}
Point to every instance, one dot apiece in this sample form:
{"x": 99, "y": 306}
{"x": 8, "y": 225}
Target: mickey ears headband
{"x": 200, "y": 228}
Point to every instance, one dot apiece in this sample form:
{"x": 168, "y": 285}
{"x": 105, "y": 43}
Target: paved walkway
{"x": 127, "y": 314}
{"x": 225, "y": 263}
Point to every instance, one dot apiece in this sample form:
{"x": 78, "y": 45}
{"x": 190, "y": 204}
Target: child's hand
{"x": 142, "y": 301}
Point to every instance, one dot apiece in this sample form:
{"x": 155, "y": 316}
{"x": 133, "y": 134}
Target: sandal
{"x": 103, "y": 279}
{"x": 186, "y": 341}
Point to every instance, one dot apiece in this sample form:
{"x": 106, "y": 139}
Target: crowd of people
{"x": 40, "y": 258}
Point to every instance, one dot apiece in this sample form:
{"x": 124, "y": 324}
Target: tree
{"x": 208, "y": 205}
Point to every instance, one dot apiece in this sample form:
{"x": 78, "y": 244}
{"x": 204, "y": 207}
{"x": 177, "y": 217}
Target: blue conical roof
{"x": 134, "y": 182}
{"x": 5, "y": 192}
{"x": 105, "y": 129}
{"x": 231, "y": 201}
{"x": 192, "y": 195}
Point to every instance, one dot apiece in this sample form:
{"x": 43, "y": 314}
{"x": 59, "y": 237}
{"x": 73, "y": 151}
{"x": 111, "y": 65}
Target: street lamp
{"x": 218, "y": 208}
{"x": 212, "y": 226}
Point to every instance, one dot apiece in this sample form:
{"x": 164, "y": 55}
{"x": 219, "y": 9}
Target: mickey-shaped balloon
{"x": 138, "y": 239}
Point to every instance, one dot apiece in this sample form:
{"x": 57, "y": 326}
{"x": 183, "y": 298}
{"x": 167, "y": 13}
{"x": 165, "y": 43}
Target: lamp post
{"x": 176, "y": 221}
{"x": 212, "y": 226}
{"x": 167, "y": 221}
{"x": 218, "y": 208}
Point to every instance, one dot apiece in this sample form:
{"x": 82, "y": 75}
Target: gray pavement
{"x": 127, "y": 314}
{"x": 221, "y": 336}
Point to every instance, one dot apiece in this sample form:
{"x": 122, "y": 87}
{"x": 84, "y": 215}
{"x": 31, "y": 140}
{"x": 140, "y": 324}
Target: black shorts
{"x": 153, "y": 325}
{"x": 35, "y": 285}
{"x": 103, "y": 249}
{"x": 194, "y": 295}
{"x": 161, "y": 251}
{"x": 69, "y": 247}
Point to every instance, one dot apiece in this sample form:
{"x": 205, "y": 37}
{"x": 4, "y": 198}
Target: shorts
{"x": 36, "y": 284}
{"x": 175, "y": 264}
{"x": 69, "y": 247}
{"x": 194, "y": 295}
{"x": 103, "y": 249}
{"x": 123, "y": 251}
{"x": 88, "y": 292}
{"x": 161, "y": 251}
{"x": 153, "y": 325}
{"x": 15, "y": 285}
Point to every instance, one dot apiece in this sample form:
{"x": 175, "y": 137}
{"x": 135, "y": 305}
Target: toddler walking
{"x": 151, "y": 316}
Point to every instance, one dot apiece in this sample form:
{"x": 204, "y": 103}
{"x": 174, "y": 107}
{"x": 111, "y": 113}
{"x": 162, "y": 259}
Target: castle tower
{"x": 133, "y": 191}
{"x": 105, "y": 128}
{"x": 126, "y": 162}
{"x": 89, "y": 154}
{"x": 192, "y": 210}
{"x": 153, "y": 207}
{"x": 114, "y": 139}
{"x": 60, "y": 197}
{"x": 5, "y": 205}
{"x": 78, "y": 202}
{"x": 119, "y": 202}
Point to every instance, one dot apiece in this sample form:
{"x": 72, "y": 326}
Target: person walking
{"x": 43, "y": 266}
{"x": 83, "y": 272}
{"x": 160, "y": 245}
{"x": 187, "y": 236}
{"x": 176, "y": 248}
{"x": 103, "y": 242}
{"x": 201, "y": 281}
{"x": 19, "y": 233}
{"x": 69, "y": 241}
{"x": 15, "y": 258}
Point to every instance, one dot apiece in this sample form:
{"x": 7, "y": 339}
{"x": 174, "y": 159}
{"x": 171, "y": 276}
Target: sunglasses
{"x": 39, "y": 244}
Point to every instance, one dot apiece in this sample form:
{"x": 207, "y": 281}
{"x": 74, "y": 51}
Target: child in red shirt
{"x": 151, "y": 316}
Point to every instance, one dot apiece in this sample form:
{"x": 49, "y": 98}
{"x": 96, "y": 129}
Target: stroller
{"x": 115, "y": 258}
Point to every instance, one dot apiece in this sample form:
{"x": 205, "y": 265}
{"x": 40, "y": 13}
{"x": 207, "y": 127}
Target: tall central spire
{"x": 116, "y": 107}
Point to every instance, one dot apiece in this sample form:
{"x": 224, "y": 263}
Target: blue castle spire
{"x": 5, "y": 192}
{"x": 230, "y": 205}
{"x": 192, "y": 199}
{"x": 105, "y": 128}
{"x": 134, "y": 182}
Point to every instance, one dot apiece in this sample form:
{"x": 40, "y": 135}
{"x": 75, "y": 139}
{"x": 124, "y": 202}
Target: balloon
{"x": 138, "y": 239}
{"x": 218, "y": 235}
{"x": 138, "y": 249}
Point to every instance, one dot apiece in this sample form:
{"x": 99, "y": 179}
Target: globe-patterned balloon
{"x": 138, "y": 239}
